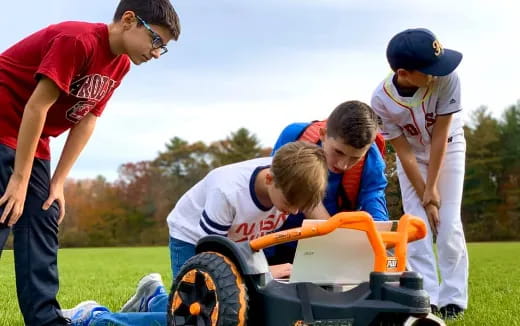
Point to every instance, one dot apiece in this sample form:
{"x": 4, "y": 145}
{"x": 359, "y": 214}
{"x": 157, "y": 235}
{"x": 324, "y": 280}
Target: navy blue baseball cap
{"x": 419, "y": 49}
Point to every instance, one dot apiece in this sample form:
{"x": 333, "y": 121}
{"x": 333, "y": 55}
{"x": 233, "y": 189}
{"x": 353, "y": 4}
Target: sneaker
{"x": 83, "y": 313}
{"x": 149, "y": 287}
{"x": 451, "y": 311}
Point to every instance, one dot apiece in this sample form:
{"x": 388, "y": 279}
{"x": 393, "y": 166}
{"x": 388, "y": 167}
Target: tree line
{"x": 132, "y": 210}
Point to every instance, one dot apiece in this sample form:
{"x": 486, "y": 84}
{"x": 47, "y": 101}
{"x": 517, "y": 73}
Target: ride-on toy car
{"x": 229, "y": 284}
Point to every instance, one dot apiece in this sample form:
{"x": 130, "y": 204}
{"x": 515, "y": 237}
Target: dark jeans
{"x": 35, "y": 245}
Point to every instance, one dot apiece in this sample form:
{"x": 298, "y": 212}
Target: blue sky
{"x": 264, "y": 64}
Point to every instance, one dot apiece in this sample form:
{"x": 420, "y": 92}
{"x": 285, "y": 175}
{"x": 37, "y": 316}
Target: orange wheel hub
{"x": 195, "y": 309}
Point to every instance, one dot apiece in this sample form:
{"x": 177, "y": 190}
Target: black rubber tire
{"x": 212, "y": 282}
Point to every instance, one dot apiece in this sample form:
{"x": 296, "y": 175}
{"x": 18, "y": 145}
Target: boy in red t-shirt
{"x": 57, "y": 79}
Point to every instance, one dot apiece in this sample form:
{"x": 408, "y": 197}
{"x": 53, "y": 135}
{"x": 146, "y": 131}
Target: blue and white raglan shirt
{"x": 224, "y": 203}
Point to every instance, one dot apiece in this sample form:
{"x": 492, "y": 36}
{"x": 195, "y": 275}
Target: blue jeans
{"x": 156, "y": 316}
{"x": 180, "y": 252}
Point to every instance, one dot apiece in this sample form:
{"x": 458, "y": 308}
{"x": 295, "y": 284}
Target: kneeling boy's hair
{"x": 300, "y": 171}
{"x": 156, "y": 12}
{"x": 353, "y": 123}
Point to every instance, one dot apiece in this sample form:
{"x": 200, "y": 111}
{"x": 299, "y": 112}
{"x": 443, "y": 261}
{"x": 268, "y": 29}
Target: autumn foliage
{"x": 132, "y": 210}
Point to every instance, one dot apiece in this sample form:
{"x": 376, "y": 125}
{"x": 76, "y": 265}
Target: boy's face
{"x": 340, "y": 156}
{"x": 414, "y": 78}
{"x": 278, "y": 199}
{"x": 145, "y": 42}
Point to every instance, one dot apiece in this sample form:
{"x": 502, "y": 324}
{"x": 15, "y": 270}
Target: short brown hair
{"x": 300, "y": 171}
{"x": 156, "y": 12}
{"x": 354, "y": 123}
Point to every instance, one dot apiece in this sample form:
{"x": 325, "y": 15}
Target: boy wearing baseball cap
{"x": 419, "y": 106}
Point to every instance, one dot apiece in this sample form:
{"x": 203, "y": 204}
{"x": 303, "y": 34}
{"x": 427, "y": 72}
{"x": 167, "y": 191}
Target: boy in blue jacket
{"x": 354, "y": 154}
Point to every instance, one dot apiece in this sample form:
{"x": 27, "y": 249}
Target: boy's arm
{"x": 76, "y": 141}
{"x": 411, "y": 169}
{"x": 33, "y": 120}
{"x": 394, "y": 134}
{"x": 281, "y": 271}
{"x": 448, "y": 104}
{"x": 218, "y": 213}
{"x": 373, "y": 185}
{"x": 376, "y": 206}
{"x": 439, "y": 143}
{"x": 409, "y": 162}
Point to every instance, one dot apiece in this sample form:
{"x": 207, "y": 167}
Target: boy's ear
{"x": 402, "y": 72}
{"x": 128, "y": 18}
{"x": 269, "y": 179}
{"x": 323, "y": 134}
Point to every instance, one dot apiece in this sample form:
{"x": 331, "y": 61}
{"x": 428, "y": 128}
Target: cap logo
{"x": 437, "y": 46}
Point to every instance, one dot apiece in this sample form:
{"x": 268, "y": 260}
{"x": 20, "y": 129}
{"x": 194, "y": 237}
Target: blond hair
{"x": 300, "y": 171}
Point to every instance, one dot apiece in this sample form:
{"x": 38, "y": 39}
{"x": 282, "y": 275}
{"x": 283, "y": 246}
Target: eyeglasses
{"x": 157, "y": 42}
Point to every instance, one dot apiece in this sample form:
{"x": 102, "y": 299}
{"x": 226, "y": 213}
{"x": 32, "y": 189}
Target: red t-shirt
{"x": 77, "y": 57}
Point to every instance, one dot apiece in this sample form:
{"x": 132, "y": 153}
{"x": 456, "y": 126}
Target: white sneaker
{"x": 83, "y": 313}
{"x": 149, "y": 287}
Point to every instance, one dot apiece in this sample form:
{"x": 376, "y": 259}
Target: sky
{"x": 264, "y": 64}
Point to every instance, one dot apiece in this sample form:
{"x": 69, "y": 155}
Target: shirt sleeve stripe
{"x": 213, "y": 224}
{"x": 208, "y": 230}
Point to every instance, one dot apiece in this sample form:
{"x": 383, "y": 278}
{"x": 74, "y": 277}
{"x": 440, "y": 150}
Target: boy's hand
{"x": 281, "y": 271}
{"x": 13, "y": 199}
{"x": 432, "y": 212}
{"x": 56, "y": 194}
{"x": 431, "y": 196}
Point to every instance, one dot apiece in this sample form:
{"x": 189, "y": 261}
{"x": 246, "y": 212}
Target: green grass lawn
{"x": 109, "y": 276}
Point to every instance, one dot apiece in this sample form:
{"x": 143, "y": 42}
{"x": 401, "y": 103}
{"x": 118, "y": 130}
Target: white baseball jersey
{"x": 224, "y": 203}
{"x": 415, "y": 116}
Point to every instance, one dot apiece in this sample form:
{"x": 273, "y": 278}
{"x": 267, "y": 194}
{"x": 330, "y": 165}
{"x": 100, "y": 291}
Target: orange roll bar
{"x": 409, "y": 229}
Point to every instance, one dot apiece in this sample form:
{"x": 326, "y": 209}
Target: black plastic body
{"x": 394, "y": 296}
